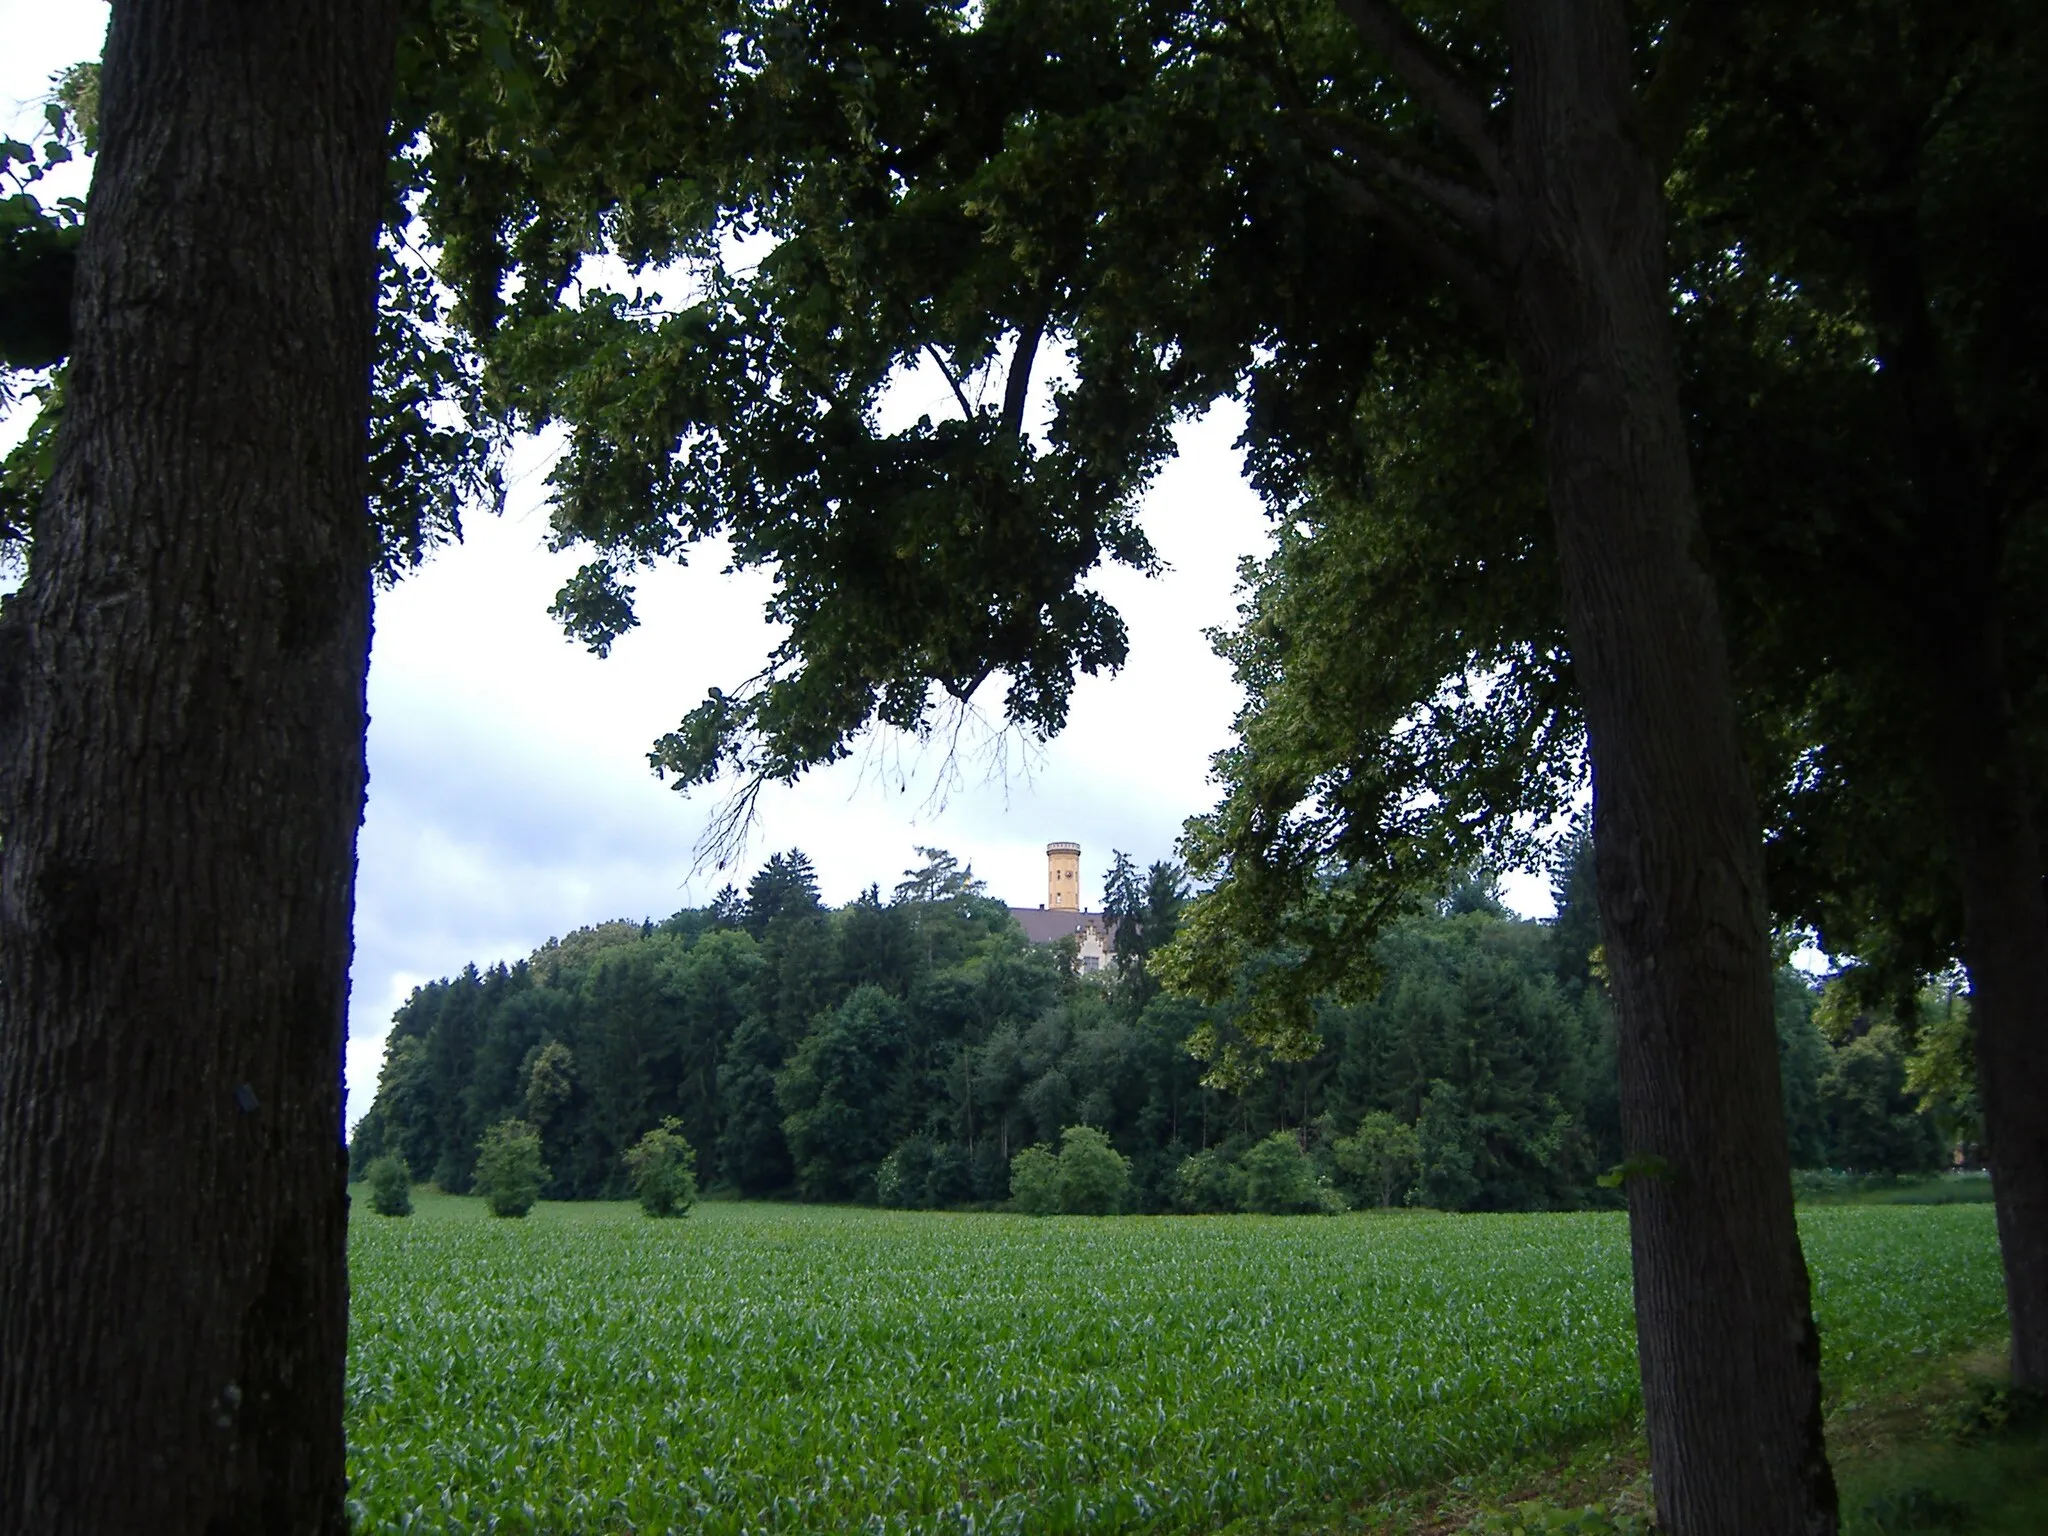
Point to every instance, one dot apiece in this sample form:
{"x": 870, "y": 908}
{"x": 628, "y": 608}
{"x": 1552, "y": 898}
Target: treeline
{"x": 924, "y": 1040}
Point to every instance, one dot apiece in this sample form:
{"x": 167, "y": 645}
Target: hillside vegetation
{"x": 923, "y": 1040}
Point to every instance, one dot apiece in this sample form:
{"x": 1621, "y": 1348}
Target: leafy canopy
{"x": 1120, "y": 201}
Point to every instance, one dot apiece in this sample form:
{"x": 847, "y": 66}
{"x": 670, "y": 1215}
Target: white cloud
{"x": 43, "y": 40}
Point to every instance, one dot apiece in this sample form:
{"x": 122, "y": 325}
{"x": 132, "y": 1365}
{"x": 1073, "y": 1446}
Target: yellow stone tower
{"x": 1063, "y": 876}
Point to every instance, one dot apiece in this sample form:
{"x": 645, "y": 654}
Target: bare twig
{"x": 730, "y": 826}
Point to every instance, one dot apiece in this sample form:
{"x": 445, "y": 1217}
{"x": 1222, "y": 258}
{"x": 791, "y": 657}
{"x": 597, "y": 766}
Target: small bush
{"x": 1380, "y": 1160}
{"x": 390, "y": 1184}
{"x": 1035, "y": 1181}
{"x": 1279, "y": 1180}
{"x": 663, "y": 1167}
{"x": 1829, "y": 1183}
{"x": 509, "y": 1172}
{"x": 988, "y": 1173}
{"x": 903, "y": 1178}
{"x": 1094, "y": 1178}
{"x": 1086, "y": 1177}
{"x": 952, "y": 1177}
{"x": 1939, "y": 1189}
{"x": 1832, "y": 1186}
{"x": 1208, "y": 1183}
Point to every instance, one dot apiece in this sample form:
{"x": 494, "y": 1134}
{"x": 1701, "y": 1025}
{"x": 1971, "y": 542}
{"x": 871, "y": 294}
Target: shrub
{"x": 390, "y": 1185}
{"x": 903, "y": 1179}
{"x": 1279, "y": 1180}
{"x": 1086, "y": 1177}
{"x": 1094, "y": 1178}
{"x": 509, "y": 1172}
{"x": 988, "y": 1173}
{"x": 663, "y": 1168}
{"x": 1991, "y": 1408}
{"x": 1208, "y": 1183}
{"x": 1380, "y": 1160}
{"x": 1830, "y": 1183}
{"x": 1035, "y": 1181}
{"x": 952, "y": 1176}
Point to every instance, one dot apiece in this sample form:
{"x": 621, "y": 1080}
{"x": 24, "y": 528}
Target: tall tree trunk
{"x": 1980, "y": 765}
{"x": 2005, "y": 940}
{"x": 181, "y": 779}
{"x": 1730, "y": 1354}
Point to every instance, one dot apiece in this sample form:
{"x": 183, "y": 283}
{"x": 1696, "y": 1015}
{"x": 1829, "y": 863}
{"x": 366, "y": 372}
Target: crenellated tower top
{"x": 1063, "y": 876}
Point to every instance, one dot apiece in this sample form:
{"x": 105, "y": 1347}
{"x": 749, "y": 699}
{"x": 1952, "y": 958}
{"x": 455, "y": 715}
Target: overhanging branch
{"x": 1427, "y": 73}
{"x": 1691, "y": 48}
{"x": 966, "y": 410}
{"x": 1478, "y": 289}
{"x": 1472, "y": 208}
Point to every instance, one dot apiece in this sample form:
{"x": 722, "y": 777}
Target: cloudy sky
{"x": 510, "y": 798}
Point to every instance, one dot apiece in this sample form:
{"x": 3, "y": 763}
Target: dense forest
{"x": 806, "y": 1051}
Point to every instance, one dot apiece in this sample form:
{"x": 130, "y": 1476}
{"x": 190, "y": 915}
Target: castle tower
{"x": 1063, "y": 876}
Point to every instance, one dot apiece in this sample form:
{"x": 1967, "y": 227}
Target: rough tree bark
{"x": 181, "y": 779}
{"x": 1729, "y": 1352}
{"x": 2005, "y": 941}
{"x": 1570, "y": 224}
{"x": 1980, "y": 765}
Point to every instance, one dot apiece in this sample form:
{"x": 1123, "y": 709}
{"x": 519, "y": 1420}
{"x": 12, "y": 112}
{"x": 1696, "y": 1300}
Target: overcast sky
{"x": 510, "y": 799}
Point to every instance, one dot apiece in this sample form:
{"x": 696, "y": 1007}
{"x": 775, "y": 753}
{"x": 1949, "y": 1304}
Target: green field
{"x": 778, "y": 1368}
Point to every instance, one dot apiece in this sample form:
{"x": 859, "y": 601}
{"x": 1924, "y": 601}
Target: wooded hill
{"x": 802, "y": 1047}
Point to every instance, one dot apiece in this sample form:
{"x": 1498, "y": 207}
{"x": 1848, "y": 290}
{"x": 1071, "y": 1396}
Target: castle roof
{"x": 1048, "y": 925}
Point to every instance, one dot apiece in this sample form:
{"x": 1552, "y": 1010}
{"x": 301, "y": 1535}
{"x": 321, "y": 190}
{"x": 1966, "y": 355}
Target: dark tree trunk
{"x": 1730, "y": 1355}
{"x": 181, "y": 778}
{"x": 2005, "y": 939}
{"x": 1979, "y": 763}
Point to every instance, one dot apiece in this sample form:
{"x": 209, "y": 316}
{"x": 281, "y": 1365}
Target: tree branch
{"x": 1477, "y": 288}
{"x": 1471, "y": 207}
{"x": 1689, "y": 52}
{"x": 965, "y": 409}
{"x": 1019, "y": 383}
{"x": 1429, "y": 75}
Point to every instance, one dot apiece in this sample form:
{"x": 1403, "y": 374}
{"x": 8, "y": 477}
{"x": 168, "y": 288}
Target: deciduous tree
{"x": 509, "y": 1172}
{"x": 663, "y": 1167}
{"x": 1187, "y": 200}
{"x": 1094, "y": 1178}
{"x": 390, "y": 1186}
{"x": 181, "y": 778}
{"x": 1870, "y": 183}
